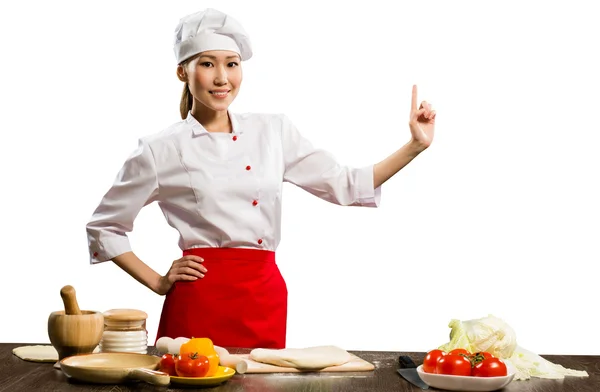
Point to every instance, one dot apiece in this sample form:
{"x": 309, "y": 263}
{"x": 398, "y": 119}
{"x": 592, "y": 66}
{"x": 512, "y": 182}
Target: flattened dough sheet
{"x": 36, "y": 353}
{"x": 318, "y": 357}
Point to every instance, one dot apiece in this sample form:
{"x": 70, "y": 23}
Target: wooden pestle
{"x": 70, "y": 301}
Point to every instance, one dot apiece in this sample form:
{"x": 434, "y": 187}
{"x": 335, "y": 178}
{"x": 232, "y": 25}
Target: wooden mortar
{"x": 73, "y": 331}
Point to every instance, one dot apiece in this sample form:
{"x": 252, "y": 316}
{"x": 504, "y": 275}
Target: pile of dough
{"x": 36, "y": 353}
{"x": 318, "y": 357}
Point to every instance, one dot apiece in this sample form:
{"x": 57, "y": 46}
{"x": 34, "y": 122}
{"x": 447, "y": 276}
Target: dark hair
{"x": 185, "y": 105}
{"x": 186, "y": 101}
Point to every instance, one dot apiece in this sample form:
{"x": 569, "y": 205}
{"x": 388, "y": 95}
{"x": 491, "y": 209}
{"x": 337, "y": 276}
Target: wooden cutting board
{"x": 355, "y": 364}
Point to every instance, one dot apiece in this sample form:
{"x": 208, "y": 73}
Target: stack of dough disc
{"x": 124, "y": 331}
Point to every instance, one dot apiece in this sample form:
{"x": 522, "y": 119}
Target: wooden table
{"x": 17, "y": 375}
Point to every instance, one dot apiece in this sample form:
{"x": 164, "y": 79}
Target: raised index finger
{"x": 414, "y": 98}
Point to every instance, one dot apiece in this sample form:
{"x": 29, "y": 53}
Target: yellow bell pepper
{"x": 202, "y": 346}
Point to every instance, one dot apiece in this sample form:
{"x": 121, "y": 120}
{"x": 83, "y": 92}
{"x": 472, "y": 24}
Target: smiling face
{"x": 214, "y": 78}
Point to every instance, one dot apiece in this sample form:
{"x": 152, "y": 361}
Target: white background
{"x": 500, "y": 216}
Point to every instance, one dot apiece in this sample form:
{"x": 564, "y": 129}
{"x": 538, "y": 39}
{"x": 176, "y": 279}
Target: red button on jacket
{"x": 234, "y": 138}
{"x": 248, "y": 167}
{"x": 259, "y": 241}
{"x": 255, "y": 203}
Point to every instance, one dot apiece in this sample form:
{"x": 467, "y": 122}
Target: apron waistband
{"x": 246, "y": 254}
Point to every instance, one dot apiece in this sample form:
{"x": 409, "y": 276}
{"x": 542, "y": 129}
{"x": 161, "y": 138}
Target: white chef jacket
{"x": 222, "y": 189}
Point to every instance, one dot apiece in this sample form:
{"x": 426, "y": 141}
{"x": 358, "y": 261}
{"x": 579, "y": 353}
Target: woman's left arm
{"x": 318, "y": 172}
{"x": 421, "y": 124}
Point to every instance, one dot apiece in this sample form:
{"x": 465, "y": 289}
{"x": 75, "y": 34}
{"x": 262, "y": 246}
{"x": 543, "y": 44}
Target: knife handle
{"x": 406, "y": 362}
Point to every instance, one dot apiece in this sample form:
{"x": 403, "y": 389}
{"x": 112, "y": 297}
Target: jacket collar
{"x": 198, "y": 129}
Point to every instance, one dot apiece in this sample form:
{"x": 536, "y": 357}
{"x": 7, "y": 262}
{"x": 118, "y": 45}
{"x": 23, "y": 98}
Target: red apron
{"x": 240, "y": 302}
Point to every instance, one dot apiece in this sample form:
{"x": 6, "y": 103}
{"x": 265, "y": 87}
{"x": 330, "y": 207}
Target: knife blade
{"x": 408, "y": 370}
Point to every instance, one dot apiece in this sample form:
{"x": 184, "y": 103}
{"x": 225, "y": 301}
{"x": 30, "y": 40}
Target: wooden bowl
{"x": 73, "y": 334}
{"x": 115, "y": 368}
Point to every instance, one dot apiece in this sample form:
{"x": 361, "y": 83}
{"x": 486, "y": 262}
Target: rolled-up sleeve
{"x": 135, "y": 186}
{"x": 318, "y": 172}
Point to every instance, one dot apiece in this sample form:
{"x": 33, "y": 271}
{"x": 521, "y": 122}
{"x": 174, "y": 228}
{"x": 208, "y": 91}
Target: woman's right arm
{"x": 186, "y": 268}
{"x": 130, "y": 263}
{"x": 136, "y": 186}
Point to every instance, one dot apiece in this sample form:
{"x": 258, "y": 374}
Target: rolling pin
{"x": 226, "y": 359}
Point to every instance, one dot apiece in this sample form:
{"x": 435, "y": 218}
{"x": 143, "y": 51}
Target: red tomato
{"x": 454, "y": 364}
{"x": 485, "y": 354}
{"x": 479, "y": 357}
{"x": 167, "y": 364}
{"x": 458, "y": 351}
{"x": 491, "y": 367}
{"x": 431, "y": 359}
{"x": 192, "y": 365}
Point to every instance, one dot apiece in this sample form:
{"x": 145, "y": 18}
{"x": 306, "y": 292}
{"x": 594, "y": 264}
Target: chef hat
{"x": 210, "y": 30}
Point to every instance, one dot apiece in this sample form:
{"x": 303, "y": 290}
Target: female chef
{"x": 217, "y": 177}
